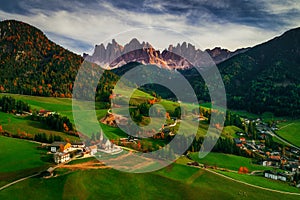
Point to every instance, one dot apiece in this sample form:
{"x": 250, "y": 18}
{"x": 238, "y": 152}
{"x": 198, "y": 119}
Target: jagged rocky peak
{"x": 181, "y": 56}
{"x": 133, "y": 45}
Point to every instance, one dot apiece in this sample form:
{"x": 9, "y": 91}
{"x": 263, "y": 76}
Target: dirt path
{"x": 285, "y": 126}
{"x": 17, "y": 181}
{"x": 195, "y": 176}
{"x": 128, "y": 162}
{"x": 86, "y": 165}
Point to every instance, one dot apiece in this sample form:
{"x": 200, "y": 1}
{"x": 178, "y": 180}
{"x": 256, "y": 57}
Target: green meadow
{"x": 17, "y": 154}
{"x": 289, "y": 130}
{"x": 229, "y": 131}
{"x": 227, "y": 161}
{"x": 173, "y": 182}
{"x": 19, "y": 158}
{"x": 262, "y": 182}
{"x": 15, "y": 124}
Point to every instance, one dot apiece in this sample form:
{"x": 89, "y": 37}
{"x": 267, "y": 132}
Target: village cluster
{"x": 285, "y": 161}
{"x": 64, "y": 151}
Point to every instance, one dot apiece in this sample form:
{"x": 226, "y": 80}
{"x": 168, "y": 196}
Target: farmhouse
{"x": 77, "y": 144}
{"x": 55, "y": 146}
{"x": 61, "y": 157}
{"x": 45, "y": 113}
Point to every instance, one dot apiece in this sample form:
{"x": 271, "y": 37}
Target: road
{"x": 248, "y": 184}
{"x": 282, "y": 140}
{"x": 19, "y": 180}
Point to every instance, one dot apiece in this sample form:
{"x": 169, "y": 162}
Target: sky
{"x": 80, "y": 24}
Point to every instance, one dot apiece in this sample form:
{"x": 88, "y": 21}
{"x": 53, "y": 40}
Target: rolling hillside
{"x": 266, "y": 77}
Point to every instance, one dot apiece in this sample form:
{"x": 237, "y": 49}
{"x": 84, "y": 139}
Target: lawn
{"x": 227, "y": 161}
{"x": 173, "y": 182}
{"x": 17, "y": 154}
{"x": 19, "y": 158}
{"x": 289, "y": 130}
{"x": 14, "y": 124}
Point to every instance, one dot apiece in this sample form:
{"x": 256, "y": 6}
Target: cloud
{"x": 231, "y": 24}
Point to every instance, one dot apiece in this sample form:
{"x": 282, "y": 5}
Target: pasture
{"x": 173, "y": 182}
{"x": 227, "y": 161}
{"x": 289, "y": 130}
{"x": 19, "y": 158}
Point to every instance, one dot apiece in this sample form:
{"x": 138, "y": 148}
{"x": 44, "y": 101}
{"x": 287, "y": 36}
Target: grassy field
{"x": 263, "y": 182}
{"x": 19, "y": 158}
{"x": 60, "y": 105}
{"x": 229, "y": 131}
{"x": 15, "y": 125}
{"x": 289, "y": 130}
{"x": 174, "y": 182}
{"x": 227, "y": 161}
{"x": 18, "y": 154}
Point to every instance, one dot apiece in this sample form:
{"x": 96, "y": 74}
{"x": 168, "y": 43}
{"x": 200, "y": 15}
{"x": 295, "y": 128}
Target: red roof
{"x": 275, "y": 157}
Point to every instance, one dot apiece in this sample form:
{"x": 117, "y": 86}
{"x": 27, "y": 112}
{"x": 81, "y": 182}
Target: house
{"x": 55, "y": 146}
{"x": 45, "y": 113}
{"x": 243, "y": 140}
{"x": 93, "y": 149}
{"x": 237, "y": 141}
{"x": 61, "y": 157}
{"x": 270, "y": 174}
{"x": 282, "y": 177}
{"x": 77, "y": 144}
{"x": 267, "y": 163}
{"x": 239, "y": 133}
{"x": 293, "y": 167}
{"x": 275, "y": 158}
{"x": 276, "y": 176}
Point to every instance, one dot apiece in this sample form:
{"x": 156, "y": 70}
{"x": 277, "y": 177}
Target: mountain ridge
{"x": 182, "y": 56}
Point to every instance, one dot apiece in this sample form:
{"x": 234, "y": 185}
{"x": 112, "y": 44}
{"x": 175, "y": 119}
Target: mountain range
{"x": 182, "y": 56}
{"x": 264, "y": 78}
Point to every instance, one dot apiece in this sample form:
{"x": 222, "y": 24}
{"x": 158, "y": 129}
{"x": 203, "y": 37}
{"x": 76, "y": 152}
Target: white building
{"x": 93, "y": 149}
{"x": 61, "y": 157}
{"x": 275, "y": 176}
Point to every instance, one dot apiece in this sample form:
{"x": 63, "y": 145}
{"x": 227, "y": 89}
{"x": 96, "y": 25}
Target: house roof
{"x": 57, "y": 144}
{"x": 93, "y": 147}
{"x": 275, "y": 157}
{"x": 77, "y": 143}
{"x": 237, "y": 140}
{"x": 45, "y": 111}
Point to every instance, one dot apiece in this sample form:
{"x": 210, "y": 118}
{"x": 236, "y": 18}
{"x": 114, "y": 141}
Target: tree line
{"x": 9, "y": 104}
